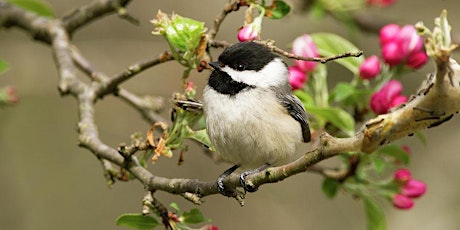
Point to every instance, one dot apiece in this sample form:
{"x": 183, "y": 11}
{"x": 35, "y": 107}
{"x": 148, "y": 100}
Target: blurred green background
{"x": 48, "y": 182}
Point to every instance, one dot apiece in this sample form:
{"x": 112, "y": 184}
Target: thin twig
{"x": 273, "y": 48}
{"x": 85, "y": 66}
{"x": 228, "y": 8}
{"x": 132, "y": 71}
{"x": 147, "y": 106}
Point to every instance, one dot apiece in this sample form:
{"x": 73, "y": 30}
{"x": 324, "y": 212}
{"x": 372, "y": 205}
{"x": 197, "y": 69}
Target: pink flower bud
{"x": 8, "y": 96}
{"x": 382, "y": 3}
{"x": 402, "y": 176}
{"x": 413, "y": 188}
{"x": 210, "y": 227}
{"x": 389, "y": 33}
{"x": 305, "y": 47}
{"x": 407, "y": 149}
{"x": 397, "y": 100}
{"x": 296, "y": 78}
{"x": 409, "y": 40}
{"x": 391, "y": 53}
{"x": 417, "y": 59}
{"x": 387, "y": 97}
{"x": 248, "y": 33}
{"x": 378, "y": 103}
{"x": 370, "y": 68}
{"x": 391, "y": 89}
{"x": 402, "y": 202}
{"x": 402, "y": 45}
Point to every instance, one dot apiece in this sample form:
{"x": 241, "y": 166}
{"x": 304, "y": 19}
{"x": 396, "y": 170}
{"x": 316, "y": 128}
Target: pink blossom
{"x": 413, "y": 188}
{"x": 305, "y": 47}
{"x": 402, "y": 46}
{"x": 391, "y": 53}
{"x": 402, "y": 202}
{"x": 409, "y": 41}
{"x": 389, "y": 33}
{"x": 8, "y": 96}
{"x": 190, "y": 89}
{"x": 248, "y": 33}
{"x": 407, "y": 149}
{"x": 397, "y": 100}
{"x": 381, "y": 3}
{"x": 402, "y": 176}
{"x": 297, "y": 77}
{"x": 387, "y": 97}
{"x": 409, "y": 188}
{"x": 417, "y": 59}
{"x": 190, "y": 86}
{"x": 370, "y": 68}
{"x": 210, "y": 227}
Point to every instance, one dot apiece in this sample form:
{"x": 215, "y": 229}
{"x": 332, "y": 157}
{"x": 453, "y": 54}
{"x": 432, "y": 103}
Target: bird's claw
{"x": 220, "y": 182}
{"x": 248, "y": 187}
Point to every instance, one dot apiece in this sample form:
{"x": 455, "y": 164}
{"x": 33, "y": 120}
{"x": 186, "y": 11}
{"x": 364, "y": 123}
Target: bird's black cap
{"x": 246, "y": 56}
{"x": 241, "y": 56}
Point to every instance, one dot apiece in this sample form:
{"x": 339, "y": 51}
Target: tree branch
{"x": 133, "y": 70}
{"x": 30, "y": 22}
{"x": 437, "y": 101}
{"x": 228, "y": 8}
{"x": 86, "y": 14}
{"x": 270, "y": 45}
{"x": 147, "y": 106}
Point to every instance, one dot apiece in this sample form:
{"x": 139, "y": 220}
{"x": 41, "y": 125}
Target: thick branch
{"x": 30, "y": 22}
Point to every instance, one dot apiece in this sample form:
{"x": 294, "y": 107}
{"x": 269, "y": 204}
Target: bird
{"x": 252, "y": 117}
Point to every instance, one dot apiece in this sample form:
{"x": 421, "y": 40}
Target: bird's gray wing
{"x": 295, "y": 108}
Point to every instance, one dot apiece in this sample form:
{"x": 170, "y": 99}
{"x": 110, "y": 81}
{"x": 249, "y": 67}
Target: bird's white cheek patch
{"x": 273, "y": 74}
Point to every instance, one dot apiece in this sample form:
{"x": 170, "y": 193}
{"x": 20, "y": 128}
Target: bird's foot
{"x": 220, "y": 181}
{"x": 247, "y": 185}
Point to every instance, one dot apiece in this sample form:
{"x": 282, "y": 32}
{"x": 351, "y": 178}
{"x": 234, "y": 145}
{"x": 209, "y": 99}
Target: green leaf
{"x": 421, "y": 137}
{"x": 330, "y": 187}
{"x": 304, "y": 97}
{"x": 278, "y": 9}
{"x": 3, "y": 66}
{"x": 336, "y": 116}
{"x": 348, "y": 95}
{"x": 181, "y": 226}
{"x": 201, "y": 136}
{"x": 375, "y": 217}
{"x": 175, "y": 206}
{"x": 341, "y": 92}
{"x": 36, "y": 6}
{"x": 184, "y": 33}
{"x": 379, "y": 164}
{"x": 331, "y": 45}
{"x": 193, "y": 217}
{"x": 395, "y": 151}
{"x": 137, "y": 221}
{"x": 317, "y": 10}
{"x": 183, "y": 36}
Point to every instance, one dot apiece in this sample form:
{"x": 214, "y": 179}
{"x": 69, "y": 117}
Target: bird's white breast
{"x": 250, "y": 128}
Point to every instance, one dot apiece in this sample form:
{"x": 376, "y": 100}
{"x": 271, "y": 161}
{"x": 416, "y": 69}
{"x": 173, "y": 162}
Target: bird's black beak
{"x": 215, "y": 65}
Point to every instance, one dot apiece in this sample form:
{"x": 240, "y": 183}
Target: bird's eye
{"x": 240, "y": 67}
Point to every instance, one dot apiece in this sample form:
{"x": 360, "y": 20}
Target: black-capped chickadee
{"x": 252, "y": 118}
